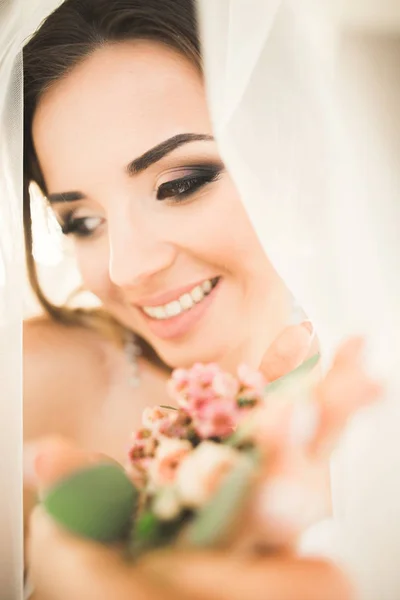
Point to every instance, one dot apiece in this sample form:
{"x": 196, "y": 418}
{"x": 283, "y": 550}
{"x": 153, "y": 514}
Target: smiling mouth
{"x": 182, "y": 304}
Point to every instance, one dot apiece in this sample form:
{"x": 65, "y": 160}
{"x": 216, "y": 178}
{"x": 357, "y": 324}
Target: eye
{"x": 182, "y": 188}
{"x": 80, "y": 227}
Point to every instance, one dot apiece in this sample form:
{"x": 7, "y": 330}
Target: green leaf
{"x": 96, "y": 503}
{"x": 150, "y": 533}
{"x": 168, "y": 407}
{"x": 301, "y": 371}
{"x": 214, "y": 521}
{"x": 146, "y": 525}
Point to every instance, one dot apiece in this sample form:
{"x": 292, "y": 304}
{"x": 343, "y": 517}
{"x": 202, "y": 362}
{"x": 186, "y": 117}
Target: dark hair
{"x": 73, "y": 31}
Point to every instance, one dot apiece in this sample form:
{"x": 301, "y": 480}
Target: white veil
{"x": 329, "y": 220}
{"x": 281, "y": 120}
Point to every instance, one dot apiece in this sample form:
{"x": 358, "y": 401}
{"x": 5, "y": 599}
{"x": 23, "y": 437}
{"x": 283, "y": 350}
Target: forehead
{"x": 119, "y": 102}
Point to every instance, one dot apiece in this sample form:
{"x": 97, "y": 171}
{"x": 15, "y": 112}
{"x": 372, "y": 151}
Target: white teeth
{"x": 159, "y": 312}
{"x": 207, "y": 286}
{"x": 185, "y": 302}
{"x": 173, "y": 308}
{"x": 197, "y": 294}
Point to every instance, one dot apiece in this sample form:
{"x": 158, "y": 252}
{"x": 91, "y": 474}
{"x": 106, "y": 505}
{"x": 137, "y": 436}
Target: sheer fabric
{"x": 278, "y": 105}
{"x": 329, "y": 222}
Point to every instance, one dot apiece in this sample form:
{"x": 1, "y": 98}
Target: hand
{"x": 299, "y": 437}
{"x": 100, "y": 572}
{"x": 64, "y": 567}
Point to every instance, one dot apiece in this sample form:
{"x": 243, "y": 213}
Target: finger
{"x": 292, "y": 494}
{"x": 288, "y": 351}
{"x": 216, "y": 577}
{"x": 50, "y": 459}
{"x": 259, "y": 523}
{"x": 349, "y": 352}
{"x": 63, "y": 566}
{"x": 345, "y": 389}
{"x": 353, "y": 395}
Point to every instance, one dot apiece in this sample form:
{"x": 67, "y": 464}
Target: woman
{"x": 118, "y": 138}
{"x": 122, "y": 148}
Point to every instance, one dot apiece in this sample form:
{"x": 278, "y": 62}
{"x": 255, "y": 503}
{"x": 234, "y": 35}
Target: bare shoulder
{"x": 43, "y": 335}
{"x": 62, "y": 365}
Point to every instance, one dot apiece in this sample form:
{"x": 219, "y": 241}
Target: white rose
{"x": 201, "y": 472}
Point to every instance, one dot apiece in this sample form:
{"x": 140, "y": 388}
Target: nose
{"x": 137, "y": 253}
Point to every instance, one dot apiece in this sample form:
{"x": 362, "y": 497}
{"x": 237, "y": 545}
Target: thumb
{"x": 288, "y": 351}
{"x": 84, "y": 492}
{"x": 50, "y": 459}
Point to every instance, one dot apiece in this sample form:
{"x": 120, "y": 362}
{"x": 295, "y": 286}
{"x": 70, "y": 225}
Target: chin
{"x": 185, "y": 356}
{"x": 203, "y": 347}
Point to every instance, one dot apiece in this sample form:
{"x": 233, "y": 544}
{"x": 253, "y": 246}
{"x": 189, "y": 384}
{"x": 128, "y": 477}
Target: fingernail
{"x": 304, "y": 423}
{"x": 310, "y": 328}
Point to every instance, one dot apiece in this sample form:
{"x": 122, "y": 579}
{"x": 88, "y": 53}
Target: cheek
{"x": 93, "y": 264}
{"x": 224, "y": 232}
{"x": 233, "y": 245}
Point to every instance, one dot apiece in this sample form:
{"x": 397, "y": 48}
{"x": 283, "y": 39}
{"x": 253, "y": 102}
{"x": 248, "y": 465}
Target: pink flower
{"x": 225, "y": 385}
{"x": 140, "y": 456}
{"x": 193, "y": 386}
{"x": 177, "y": 425}
{"x": 250, "y": 378}
{"x": 143, "y": 448}
{"x": 209, "y": 397}
{"x": 252, "y": 383}
{"x": 153, "y": 418}
{"x": 202, "y": 471}
{"x": 217, "y": 419}
{"x": 169, "y": 454}
{"x": 269, "y": 427}
{"x": 204, "y": 374}
{"x": 177, "y": 385}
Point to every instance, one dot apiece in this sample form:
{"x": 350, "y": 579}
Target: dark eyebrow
{"x": 65, "y": 197}
{"x": 141, "y": 163}
{"x": 158, "y": 152}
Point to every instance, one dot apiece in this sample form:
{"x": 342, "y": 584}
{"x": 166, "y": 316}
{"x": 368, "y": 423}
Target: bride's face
{"x": 134, "y": 176}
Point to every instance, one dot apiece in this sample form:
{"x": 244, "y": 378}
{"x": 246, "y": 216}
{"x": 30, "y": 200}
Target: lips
{"x": 165, "y": 297}
{"x": 173, "y": 320}
{"x": 182, "y": 303}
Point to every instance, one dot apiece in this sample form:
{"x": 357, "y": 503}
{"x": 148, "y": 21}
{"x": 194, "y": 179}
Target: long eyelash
{"x": 67, "y": 223}
{"x": 182, "y": 188}
{"x": 70, "y": 225}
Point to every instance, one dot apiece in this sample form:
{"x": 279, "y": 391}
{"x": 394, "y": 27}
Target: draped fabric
{"x": 281, "y": 119}
{"x": 329, "y": 221}
{"x": 18, "y": 20}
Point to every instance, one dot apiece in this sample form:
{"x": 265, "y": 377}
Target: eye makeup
{"x": 193, "y": 179}
{"x": 81, "y": 227}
